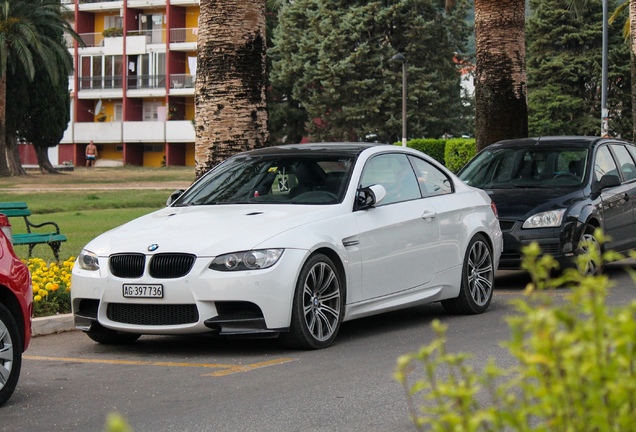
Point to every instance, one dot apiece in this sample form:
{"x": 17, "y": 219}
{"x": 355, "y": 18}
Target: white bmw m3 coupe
{"x": 290, "y": 242}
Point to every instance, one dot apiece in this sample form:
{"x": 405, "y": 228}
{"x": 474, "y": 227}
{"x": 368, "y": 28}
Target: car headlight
{"x": 552, "y": 218}
{"x": 247, "y": 260}
{"x": 87, "y": 260}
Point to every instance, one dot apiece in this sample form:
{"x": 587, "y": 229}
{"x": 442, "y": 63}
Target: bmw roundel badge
{"x": 153, "y": 247}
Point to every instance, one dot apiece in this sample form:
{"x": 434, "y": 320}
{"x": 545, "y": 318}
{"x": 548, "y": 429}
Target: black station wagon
{"x": 557, "y": 191}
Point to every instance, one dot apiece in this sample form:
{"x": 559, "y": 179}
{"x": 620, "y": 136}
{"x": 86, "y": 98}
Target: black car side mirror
{"x": 174, "y": 196}
{"x": 607, "y": 181}
{"x": 369, "y": 197}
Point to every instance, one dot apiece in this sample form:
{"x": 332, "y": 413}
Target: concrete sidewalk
{"x": 54, "y": 324}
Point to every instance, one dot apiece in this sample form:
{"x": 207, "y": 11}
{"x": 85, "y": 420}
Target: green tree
{"x": 334, "y": 55}
{"x": 38, "y": 112}
{"x": 287, "y": 118}
{"x": 564, "y": 72}
{"x": 629, "y": 29}
{"x": 25, "y": 29}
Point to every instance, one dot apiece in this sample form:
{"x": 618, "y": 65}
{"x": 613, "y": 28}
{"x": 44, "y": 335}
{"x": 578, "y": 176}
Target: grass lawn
{"x": 86, "y": 203}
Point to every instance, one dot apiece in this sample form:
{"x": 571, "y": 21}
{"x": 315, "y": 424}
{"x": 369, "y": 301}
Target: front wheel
{"x": 10, "y": 354}
{"x": 590, "y": 249}
{"x": 478, "y": 276}
{"x": 318, "y": 305}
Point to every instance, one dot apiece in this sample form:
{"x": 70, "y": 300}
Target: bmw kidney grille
{"x": 161, "y": 266}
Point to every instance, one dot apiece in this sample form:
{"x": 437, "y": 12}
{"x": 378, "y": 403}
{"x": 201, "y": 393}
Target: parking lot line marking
{"x": 227, "y": 369}
{"x": 249, "y": 367}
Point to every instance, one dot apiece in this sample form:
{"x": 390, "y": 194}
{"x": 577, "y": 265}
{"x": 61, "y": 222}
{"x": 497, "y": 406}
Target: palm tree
{"x": 628, "y": 31}
{"x": 501, "y": 105}
{"x": 23, "y": 42}
{"x": 230, "y": 101}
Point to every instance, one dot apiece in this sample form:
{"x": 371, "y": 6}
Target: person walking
{"x": 91, "y": 154}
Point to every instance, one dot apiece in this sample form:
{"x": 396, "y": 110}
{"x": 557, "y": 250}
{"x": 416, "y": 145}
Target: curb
{"x": 54, "y": 324}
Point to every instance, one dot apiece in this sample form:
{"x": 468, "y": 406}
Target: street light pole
{"x": 604, "y": 112}
{"x": 399, "y": 58}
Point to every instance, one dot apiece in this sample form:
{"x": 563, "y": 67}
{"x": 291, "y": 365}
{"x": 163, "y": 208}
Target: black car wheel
{"x": 10, "y": 354}
{"x": 478, "y": 275}
{"x": 587, "y": 245}
{"x": 106, "y": 336}
{"x": 318, "y": 305}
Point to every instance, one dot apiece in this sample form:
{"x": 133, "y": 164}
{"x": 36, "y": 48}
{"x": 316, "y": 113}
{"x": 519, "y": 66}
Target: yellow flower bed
{"x": 51, "y": 286}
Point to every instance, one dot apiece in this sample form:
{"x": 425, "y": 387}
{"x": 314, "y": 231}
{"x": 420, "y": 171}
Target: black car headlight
{"x": 548, "y": 219}
{"x": 247, "y": 260}
{"x": 87, "y": 260}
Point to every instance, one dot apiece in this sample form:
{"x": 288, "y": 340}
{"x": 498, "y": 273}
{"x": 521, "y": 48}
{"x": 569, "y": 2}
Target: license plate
{"x": 143, "y": 291}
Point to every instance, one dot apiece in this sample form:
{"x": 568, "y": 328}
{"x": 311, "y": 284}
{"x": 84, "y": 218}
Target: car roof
{"x": 548, "y": 141}
{"x": 341, "y": 148}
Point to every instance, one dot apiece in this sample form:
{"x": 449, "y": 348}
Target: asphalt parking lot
{"x": 70, "y": 383}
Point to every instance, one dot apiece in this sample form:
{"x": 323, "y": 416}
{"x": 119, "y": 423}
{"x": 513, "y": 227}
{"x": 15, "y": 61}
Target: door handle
{"x": 428, "y": 215}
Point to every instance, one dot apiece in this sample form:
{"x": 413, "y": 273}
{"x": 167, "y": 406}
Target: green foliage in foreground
{"x": 575, "y": 365}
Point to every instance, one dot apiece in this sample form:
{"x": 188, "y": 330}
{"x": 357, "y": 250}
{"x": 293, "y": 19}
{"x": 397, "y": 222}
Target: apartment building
{"x": 132, "y": 92}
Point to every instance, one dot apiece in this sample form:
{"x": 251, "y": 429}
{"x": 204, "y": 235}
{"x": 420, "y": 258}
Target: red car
{"x": 16, "y": 305}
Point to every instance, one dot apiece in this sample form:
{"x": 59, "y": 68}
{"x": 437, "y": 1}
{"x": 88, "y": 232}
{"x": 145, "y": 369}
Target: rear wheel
{"x": 10, "y": 354}
{"x": 318, "y": 305}
{"x": 478, "y": 276}
{"x": 590, "y": 247}
{"x": 107, "y": 336}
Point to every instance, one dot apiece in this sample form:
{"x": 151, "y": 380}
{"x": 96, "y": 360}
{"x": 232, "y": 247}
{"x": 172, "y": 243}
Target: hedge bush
{"x": 431, "y": 146}
{"x": 574, "y": 370}
{"x": 458, "y": 152}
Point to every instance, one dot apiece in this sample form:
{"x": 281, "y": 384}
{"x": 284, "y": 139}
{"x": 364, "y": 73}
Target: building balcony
{"x": 184, "y": 35}
{"x": 156, "y": 36}
{"x": 100, "y": 5}
{"x": 182, "y": 84}
{"x": 181, "y": 131}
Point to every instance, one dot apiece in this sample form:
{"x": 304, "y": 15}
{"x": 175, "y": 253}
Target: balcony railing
{"x": 156, "y": 36}
{"x": 90, "y": 39}
{"x": 146, "y": 81}
{"x": 100, "y": 83}
{"x": 178, "y": 81}
{"x": 181, "y": 35}
{"x": 95, "y": 1}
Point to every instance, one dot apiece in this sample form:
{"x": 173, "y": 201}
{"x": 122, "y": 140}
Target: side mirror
{"x": 607, "y": 181}
{"x": 174, "y": 196}
{"x": 369, "y": 197}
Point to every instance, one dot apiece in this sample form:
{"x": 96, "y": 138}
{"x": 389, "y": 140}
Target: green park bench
{"x": 30, "y": 238}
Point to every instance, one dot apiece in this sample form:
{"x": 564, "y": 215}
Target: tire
{"x": 318, "y": 305}
{"x": 587, "y": 241}
{"x": 106, "y": 336}
{"x": 478, "y": 276}
{"x": 10, "y": 354}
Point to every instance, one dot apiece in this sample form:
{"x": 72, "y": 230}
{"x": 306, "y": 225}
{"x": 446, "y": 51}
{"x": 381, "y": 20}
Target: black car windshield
{"x": 301, "y": 179}
{"x": 527, "y": 167}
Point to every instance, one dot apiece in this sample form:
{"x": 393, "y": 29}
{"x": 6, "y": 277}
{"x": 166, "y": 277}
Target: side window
{"x": 604, "y": 163}
{"x": 394, "y": 172}
{"x": 431, "y": 180}
{"x": 625, "y": 162}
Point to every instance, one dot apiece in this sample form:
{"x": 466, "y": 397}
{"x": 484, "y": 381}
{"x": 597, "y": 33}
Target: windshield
{"x": 303, "y": 179}
{"x": 545, "y": 167}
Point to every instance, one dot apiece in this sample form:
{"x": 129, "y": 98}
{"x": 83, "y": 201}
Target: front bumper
{"x": 243, "y": 302}
{"x": 559, "y": 242}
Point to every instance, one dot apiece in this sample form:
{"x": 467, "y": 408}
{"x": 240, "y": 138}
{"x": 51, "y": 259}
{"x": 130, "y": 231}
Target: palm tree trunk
{"x": 230, "y": 104}
{"x": 4, "y": 168}
{"x": 13, "y": 155}
{"x": 44, "y": 163}
{"x": 501, "y": 105}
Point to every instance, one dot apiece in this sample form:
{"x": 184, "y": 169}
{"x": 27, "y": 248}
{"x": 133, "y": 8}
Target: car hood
{"x": 207, "y": 230}
{"x": 521, "y": 203}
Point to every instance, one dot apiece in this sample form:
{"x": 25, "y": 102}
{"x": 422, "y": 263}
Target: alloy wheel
{"x": 321, "y": 301}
